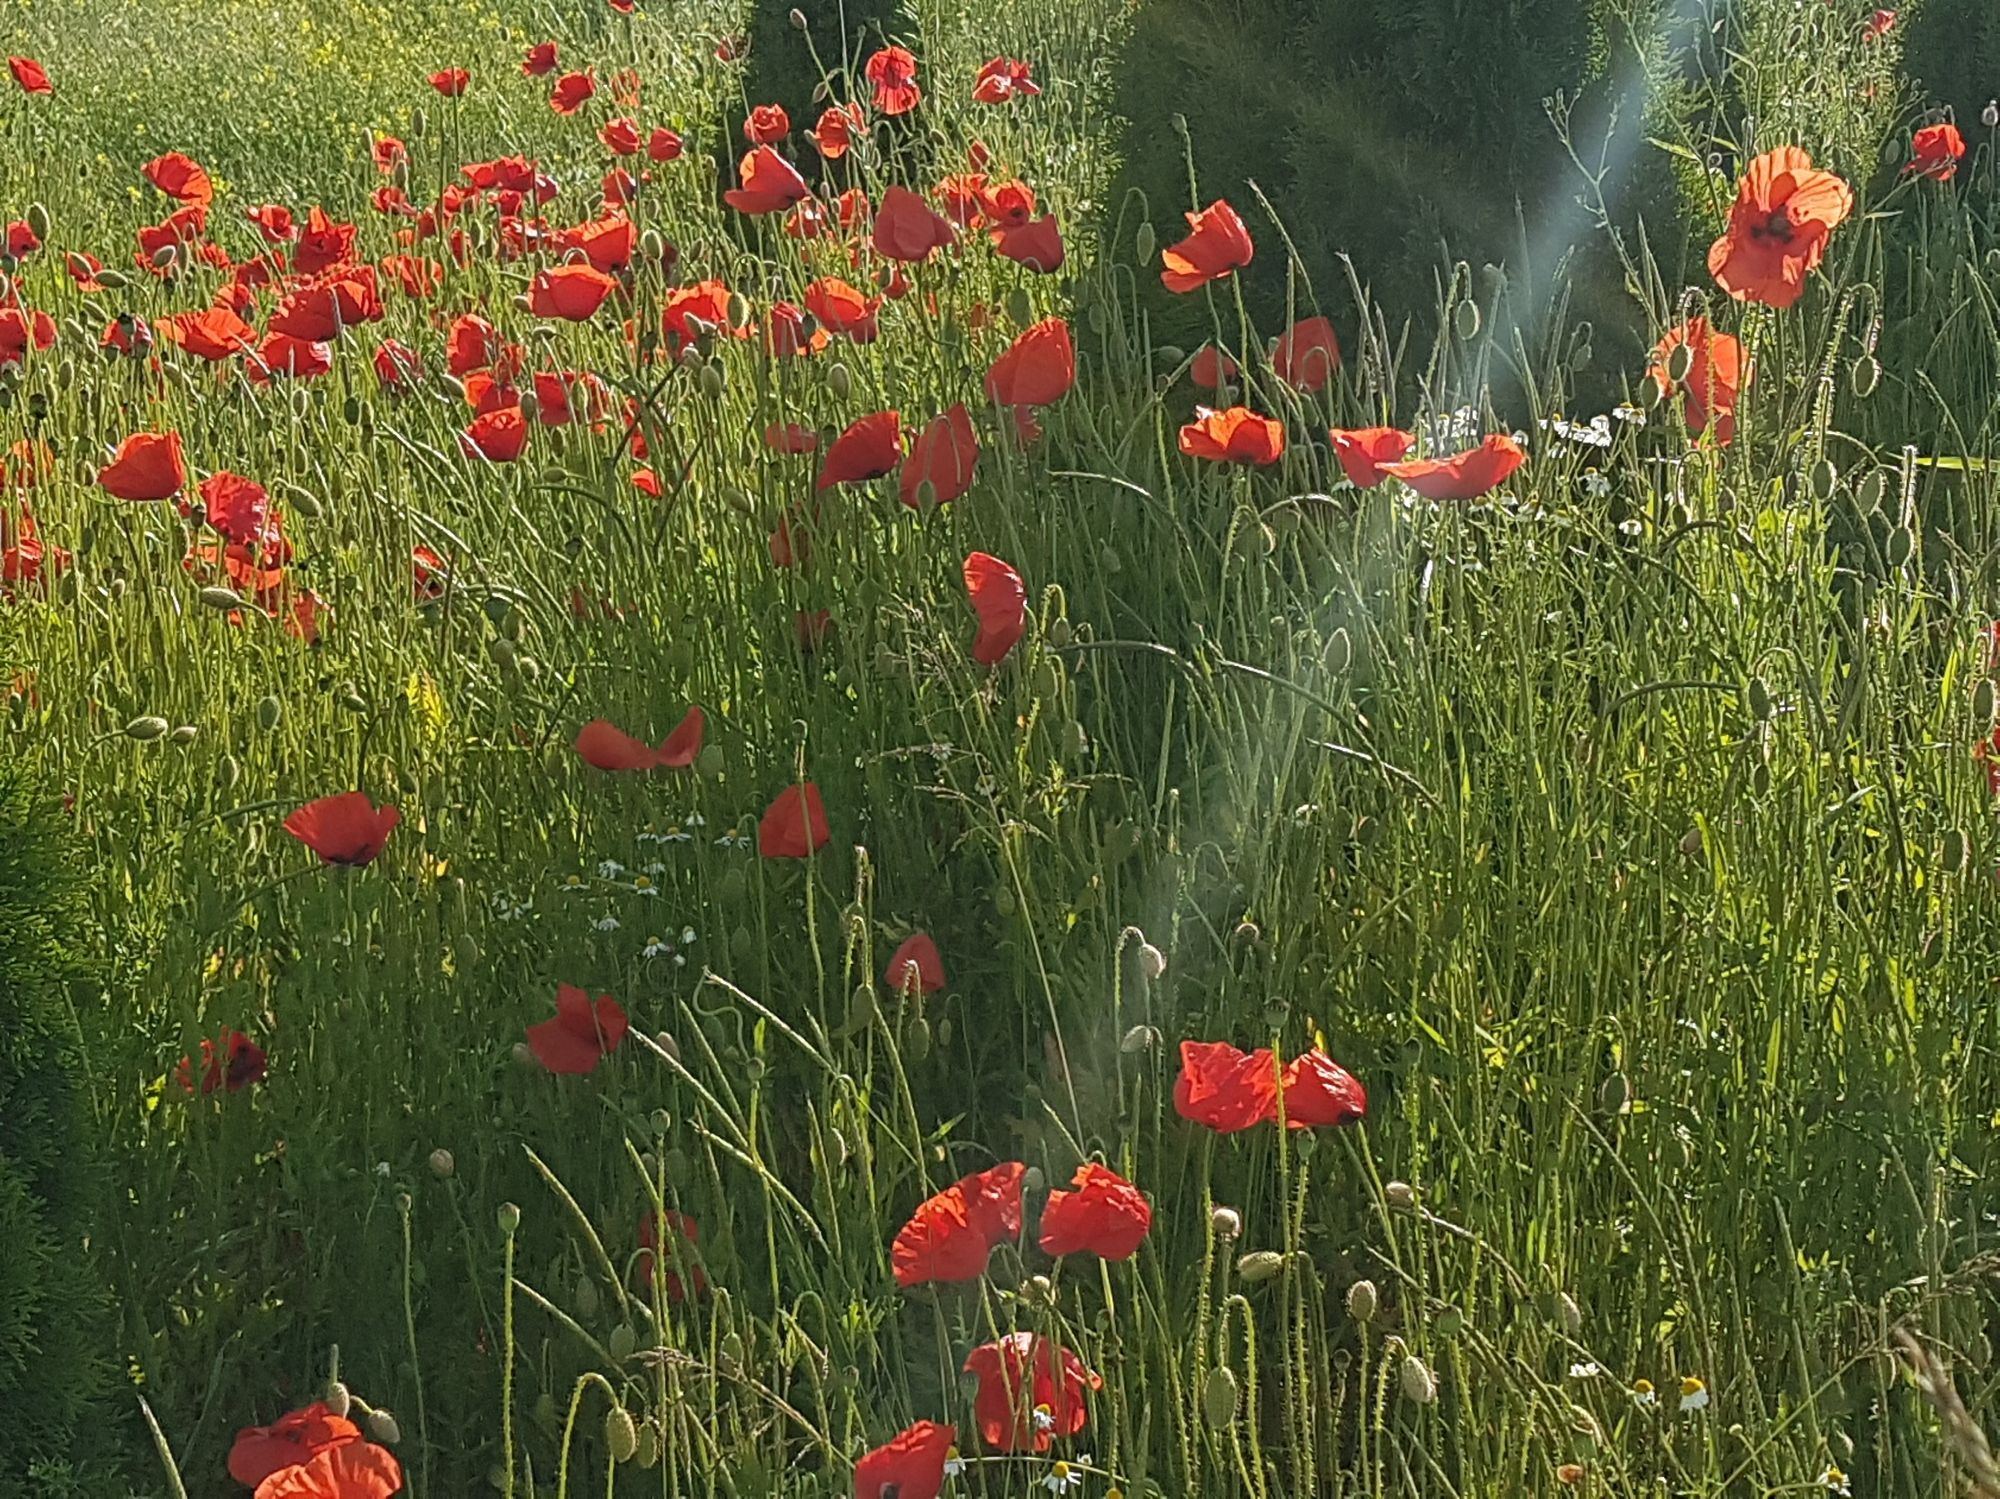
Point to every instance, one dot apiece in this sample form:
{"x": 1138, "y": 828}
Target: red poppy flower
{"x": 663, "y": 145}
{"x": 1217, "y": 245}
{"x": 128, "y": 334}
{"x": 236, "y": 507}
{"x": 24, "y": 556}
{"x": 353, "y": 1470}
{"x": 324, "y": 243}
{"x": 1318, "y": 1091}
{"x": 1716, "y": 375}
{"x": 21, "y": 239}
{"x": 785, "y": 335}
{"x": 915, "y": 962}
{"x": 1238, "y": 435}
{"x": 794, "y": 825}
{"x": 1784, "y": 212}
{"x": 83, "y": 269}
{"x": 1224, "y": 1089}
{"x": 450, "y": 82}
{"x": 573, "y": 91}
{"x": 1463, "y": 476}
{"x": 908, "y": 228}
{"x": 20, "y": 331}
{"x": 182, "y": 226}
{"x": 147, "y": 466}
{"x": 345, "y": 829}
{"x": 470, "y": 344}
{"x": 180, "y": 178}
{"x": 605, "y": 746}
{"x": 1003, "y": 80}
{"x": 840, "y": 308}
{"x": 294, "y": 1438}
{"x": 952, "y": 1234}
{"x": 679, "y": 749}
{"x": 893, "y": 72}
{"x": 1105, "y": 1215}
{"x": 497, "y": 436}
{"x": 620, "y": 136}
{"x": 1363, "y": 450}
{"x": 943, "y": 456}
{"x": 870, "y": 447}
{"x": 31, "y": 75}
{"x": 790, "y": 437}
{"x": 388, "y": 152}
{"x": 233, "y": 1065}
{"x": 582, "y": 1034}
{"x": 281, "y": 354}
{"x": 566, "y": 396}
{"x": 1938, "y": 150}
{"x": 685, "y": 1233}
{"x": 214, "y": 334}
{"x": 318, "y": 310}
{"x": 541, "y": 60}
{"x": 1038, "y": 368}
{"x": 768, "y": 183}
{"x": 606, "y": 242}
{"x": 1307, "y": 355}
{"x": 1000, "y": 600}
{"x": 707, "y": 301}
{"x": 833, "y": 137}
{"x": 397, "y": 365}
{"x": 910, "y": 1465}
{"x": 1211, "y": 367}
{"x": 1031, "y": 1391}
{"x": 1037, "y": 245}
{"x": 274, "y": 222}
{"x": 1877, "y": 26}
{"x": 570, "y": 292}
{"x": 766, "y": 125}
{"x": 418, "y": 278}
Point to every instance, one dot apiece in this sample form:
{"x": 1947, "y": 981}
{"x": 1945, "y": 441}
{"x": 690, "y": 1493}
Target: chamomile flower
{"x": 1584, "y": 1371}
{"x": 572, "y": 882}
{"x": 1594, "y": 484}
{"x": 1595, "y": 433}
{"x": 1630, "y": 414}
{"x": 1045, "y": 1419}
{"x": 607, "y": 923}
{"x": 642, "y": 884}
{"x": 656, "y": 948}
{"x": 509, "y": 907}
{"x": 1694, "y": 1394}
{"x": 610, "y": 869}
{"x": 733, "y": 839}
{"x": 1643, "y": 1392}
{"x": 1063, "y": 1477}
{"x": 954, "y": 1464}
{"x": 1835, "y": 1482}
{"x": 687, "y": 936}
{"x": 696, "y": 821}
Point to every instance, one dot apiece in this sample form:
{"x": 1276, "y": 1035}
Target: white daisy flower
{"x": 1835, "y": 1482}
{"x": 1063, "y": 1477}
{"x": 953, "y": 1463}
{"x": 1584, "y": 1371}
{"x": 655, "y": 948}
{"x": 606, "y": 923}
{"x": 610, "y": 869}
{"x": 1694, "y": 1394}
{"x": 1643, "y": 1392}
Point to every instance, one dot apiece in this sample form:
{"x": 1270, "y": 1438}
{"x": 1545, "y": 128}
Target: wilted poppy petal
{"x": 1000, "y": 599}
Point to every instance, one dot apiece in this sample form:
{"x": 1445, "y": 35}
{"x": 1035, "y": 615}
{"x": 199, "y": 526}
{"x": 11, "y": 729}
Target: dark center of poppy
{"x": 1776, "y": 225}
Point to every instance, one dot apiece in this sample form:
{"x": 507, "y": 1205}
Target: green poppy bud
{"x": 1465, "y": 318}
{"x": 1218, "y": 1398}
{"x": 1144, "y": 243}
{"x": 38, "y": 220}
{"x": 223, "y": 599}
{"x": 621, "y": 1434}
{"x": 145, "y": 729}
{"x": 338, "y": 1401}
{"x": 1418, "y": 1383}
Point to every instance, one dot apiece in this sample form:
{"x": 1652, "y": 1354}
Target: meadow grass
{"x": 1623, "y": 835}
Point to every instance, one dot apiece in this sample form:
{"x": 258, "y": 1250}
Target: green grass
{"x": 1624, "y": 837}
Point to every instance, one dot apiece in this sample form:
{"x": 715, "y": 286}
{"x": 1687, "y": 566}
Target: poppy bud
{"x": 112, "y": 280}
{"x": 1990, "y": 115}
{"x": 1139, "y": 1038}
{"x": 1465, "y": 318}
{"x": 1757, "y": 698}
{"x": 166, "y": 255}
{"x": 1259, "y": 1265}
{"x": 145, "y": 729}
{"x": 1038, "y": 1290}
{"x": 1902, "y": 546}
{"x": 1419, "y": 1384}
{"x": 1867, "y": 374}
{"x": 1983, "y": 703}
{"x": 523, "y": 1055}
{"x": 711, "y": 381}
{"x": 1680, "y": 363}
{"x": 648, "y": 1453}
{"x": 1821, "y": 478}
{"x": 917, "y": 1038}
{"x": 531, "y": 406}
{"x": 1225, "y": 1223}
{"x": 383, "y": 1428}
{"x": 621, "y": 1436}
{"x": 269, "y": 711}
{"x": 417, "y": 123}
{"x": 739, "y": 309}
{"x": 338, "y": 1401}
{"x": 652, "y": 248}
{"x": 1362, "y": 1301}
{"x": 585, "y": 1297}
{"x": 839, "y": 381}
{"x": 1870, "y": 492}
{"x": 228, "y": 771}
{"x": 622, "y": 1341}
{"x": 1691, "y": 842}
{"x": 1145, "y": 242}
{"x": 502, "y": 651}
{"x": 1108, "y": 559}
{"x": 1152, "y": 962}
{"x": 442, "y": 1165}
{"x": 352, "y": 701}
{"x": 1614, "y": 1093}
{"x": 1401, "y": 1195}
{"x": 798, "y": 19}
{"x": 224, "y": 599}
{"x": 510, "y": 1219}
{"x": 1569, "y": 1313}
{"x": 1218, "y": 1397}
{"x": 1003, "y": 901}
{"x": 1450, "y": 1322}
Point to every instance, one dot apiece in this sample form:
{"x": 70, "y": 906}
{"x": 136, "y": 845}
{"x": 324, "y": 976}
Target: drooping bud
{"x": 1226, "y": 1223}
{"x": 1418, "y": 1383}
{"x": 1401, "y": 1195}
{"x": 442, "y": 1165}
{"x": 1152, "y": 962}
{"x": 1218, "y": 1397}
{"x": 1144, "y": 243}
{"x": 1362, "y": 1301}
{"x": 621, "y": 1434}
{"x": 145, "y": 729}
{"x": 1259, "y": 1265}
{"x": 382, "y": 1427}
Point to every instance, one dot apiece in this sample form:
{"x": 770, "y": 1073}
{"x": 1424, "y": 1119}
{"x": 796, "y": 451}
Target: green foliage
{"x": 1952, "y": 54}
{"x": 1401, "y": 134}
{"x": 52, "y": 1325}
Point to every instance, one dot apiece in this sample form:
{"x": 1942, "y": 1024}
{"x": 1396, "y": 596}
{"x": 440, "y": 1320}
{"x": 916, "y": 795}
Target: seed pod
{"x": 1363, "y": 1301}
{"x": 1418, "y": 1383}
{"x": 222, "y": 599}
{"x": 621, "y": 1435}
{"x": 1218, "y": 1398}
{"x": 145, "y": 729}
{"x": 1466, "y": 319}
{"x": 1259, "y": 1265}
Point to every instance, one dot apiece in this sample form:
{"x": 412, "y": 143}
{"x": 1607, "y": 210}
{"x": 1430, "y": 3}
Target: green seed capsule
{"x": 146, "y": 729}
